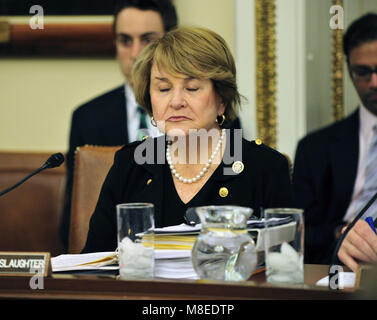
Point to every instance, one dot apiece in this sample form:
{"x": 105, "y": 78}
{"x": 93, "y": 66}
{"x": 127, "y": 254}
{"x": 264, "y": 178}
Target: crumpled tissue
{"x": 286, "y": 265}
{"x": 135, "y": 258}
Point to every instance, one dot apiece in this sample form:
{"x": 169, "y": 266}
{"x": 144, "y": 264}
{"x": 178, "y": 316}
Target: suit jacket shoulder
{"x": 335, "y": 130}
{"x": 101, "y": 121}
{"x": 101, "y": 101}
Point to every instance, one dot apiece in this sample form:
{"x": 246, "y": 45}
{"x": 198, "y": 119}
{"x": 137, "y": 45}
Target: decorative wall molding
{"x": 266, "y": 71}
{"x": 337, "y": 71}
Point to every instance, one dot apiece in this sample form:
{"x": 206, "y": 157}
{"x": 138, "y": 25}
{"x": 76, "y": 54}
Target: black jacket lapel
{"x": 344, "y": 150}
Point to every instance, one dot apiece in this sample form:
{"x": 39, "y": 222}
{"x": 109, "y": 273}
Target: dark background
{"x": 58, "y": 7}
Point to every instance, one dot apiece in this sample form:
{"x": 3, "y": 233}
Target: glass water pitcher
{"x": 224, "y": 250}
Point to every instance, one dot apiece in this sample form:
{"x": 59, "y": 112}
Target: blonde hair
{"x": 196, "y": 52}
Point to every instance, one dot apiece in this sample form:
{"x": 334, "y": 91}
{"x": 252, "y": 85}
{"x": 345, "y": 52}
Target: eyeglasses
{"x": 363, "y": 73}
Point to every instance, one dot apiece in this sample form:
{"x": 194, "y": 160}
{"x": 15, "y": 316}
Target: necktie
{"x": 142, "y": 131}
{"x": 370, "y": 184}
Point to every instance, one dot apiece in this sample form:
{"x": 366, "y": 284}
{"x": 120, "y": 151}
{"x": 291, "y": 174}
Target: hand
{"x": 360, "y": 244}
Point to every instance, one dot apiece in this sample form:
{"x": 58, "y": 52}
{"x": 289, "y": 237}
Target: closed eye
{"x": 192, "y": 89}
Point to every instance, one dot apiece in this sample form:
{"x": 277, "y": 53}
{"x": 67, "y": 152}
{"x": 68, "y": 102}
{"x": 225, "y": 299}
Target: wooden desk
{"x": 102, "y": 287}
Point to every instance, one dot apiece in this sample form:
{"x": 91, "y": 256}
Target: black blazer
{"x": 323, "y": 179}
{"x": 264, "y": 182}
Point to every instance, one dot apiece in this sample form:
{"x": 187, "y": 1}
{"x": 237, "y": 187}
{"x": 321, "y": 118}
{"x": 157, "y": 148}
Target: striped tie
{"x": 370, "y": 185}
{"x": 141, "y": 132}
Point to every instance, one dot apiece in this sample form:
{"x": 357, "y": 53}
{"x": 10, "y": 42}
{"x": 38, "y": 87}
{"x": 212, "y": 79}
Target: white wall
{"x": 290, "y": 64}
{"x": 217, "y": 15}
{"x": 37, "y": 95}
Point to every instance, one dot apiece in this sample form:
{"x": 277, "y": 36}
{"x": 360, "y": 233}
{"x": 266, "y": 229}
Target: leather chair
{"x": 30, "y": 215}
{"x": 92, "y": 164}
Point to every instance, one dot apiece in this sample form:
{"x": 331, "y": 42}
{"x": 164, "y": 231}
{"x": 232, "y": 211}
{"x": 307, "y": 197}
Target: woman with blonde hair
{"x": 186, "y": 81}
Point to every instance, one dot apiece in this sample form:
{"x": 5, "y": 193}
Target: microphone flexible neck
{"x": 52, "y": 162}
{"x": 23, "y": 180}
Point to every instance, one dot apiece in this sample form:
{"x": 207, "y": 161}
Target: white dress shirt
{"x": 133, "y": 117}
{"x": 367, "y": 121}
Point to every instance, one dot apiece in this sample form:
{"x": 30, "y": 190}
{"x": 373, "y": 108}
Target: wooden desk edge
{"x": 97, "y": 287}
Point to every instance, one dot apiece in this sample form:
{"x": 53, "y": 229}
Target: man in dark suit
{"x": 113, "y": 118}
{"x": 330, "y": 165}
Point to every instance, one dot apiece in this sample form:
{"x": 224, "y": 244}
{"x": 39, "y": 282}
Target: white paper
{"x": 180, "y": 228}
{"x": 171, "y": 264}
{"x": 277, "y": 235}
{"x": 160, "y": 254}
{"x": 345, "y": 280}
{"x": 66, "y": 262}
{"x": 175, "y": 268}
{"x": 87, "y": 267}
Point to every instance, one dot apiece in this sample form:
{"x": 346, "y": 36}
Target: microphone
{"x": 334, "y": 266}
{"x": 52, "y": 162}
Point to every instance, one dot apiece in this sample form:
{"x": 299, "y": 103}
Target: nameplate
{"x": 366, "y": 277}
{"x": 25, "y": 263}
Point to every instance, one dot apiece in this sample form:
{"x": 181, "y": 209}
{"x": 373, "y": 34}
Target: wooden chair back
{"x": 92, "y": 164}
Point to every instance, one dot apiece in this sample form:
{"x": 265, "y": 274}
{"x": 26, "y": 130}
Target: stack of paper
{"x": 87, "y": 261}
{"x": 180, "y": 237}
{"x": 183, "y": 236}
{"x": 172, "y": 264}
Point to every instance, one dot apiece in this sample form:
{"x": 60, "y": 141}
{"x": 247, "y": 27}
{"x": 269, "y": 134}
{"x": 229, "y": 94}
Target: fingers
{"x": 347, "y": 259}
{"x": 354, "y": 249}
{"x": 365, "y": 240}
{"x": 359, "y": 244}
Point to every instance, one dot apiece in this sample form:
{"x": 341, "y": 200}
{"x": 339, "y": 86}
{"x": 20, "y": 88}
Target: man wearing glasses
{"x": 335, "y": 171}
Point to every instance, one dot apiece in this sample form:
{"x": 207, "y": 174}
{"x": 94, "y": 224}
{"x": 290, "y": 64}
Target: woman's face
{"x": 183, "y": 103}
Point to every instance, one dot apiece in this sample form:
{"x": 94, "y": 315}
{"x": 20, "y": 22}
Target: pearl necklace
{"x": 205, "y": 168}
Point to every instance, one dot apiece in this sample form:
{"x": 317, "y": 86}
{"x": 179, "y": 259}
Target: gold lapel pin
{"x": 223, "y": 192}
{"x": 238, "y": 167}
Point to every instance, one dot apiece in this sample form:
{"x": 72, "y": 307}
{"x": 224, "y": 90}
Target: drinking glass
{"x": 135, "y": 222}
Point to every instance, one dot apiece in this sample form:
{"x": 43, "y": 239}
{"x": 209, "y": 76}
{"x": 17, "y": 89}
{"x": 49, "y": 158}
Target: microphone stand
{"x": 54, "y": 161}
{"x": 333, "y": 269}
{"x": 22, "y": 181}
